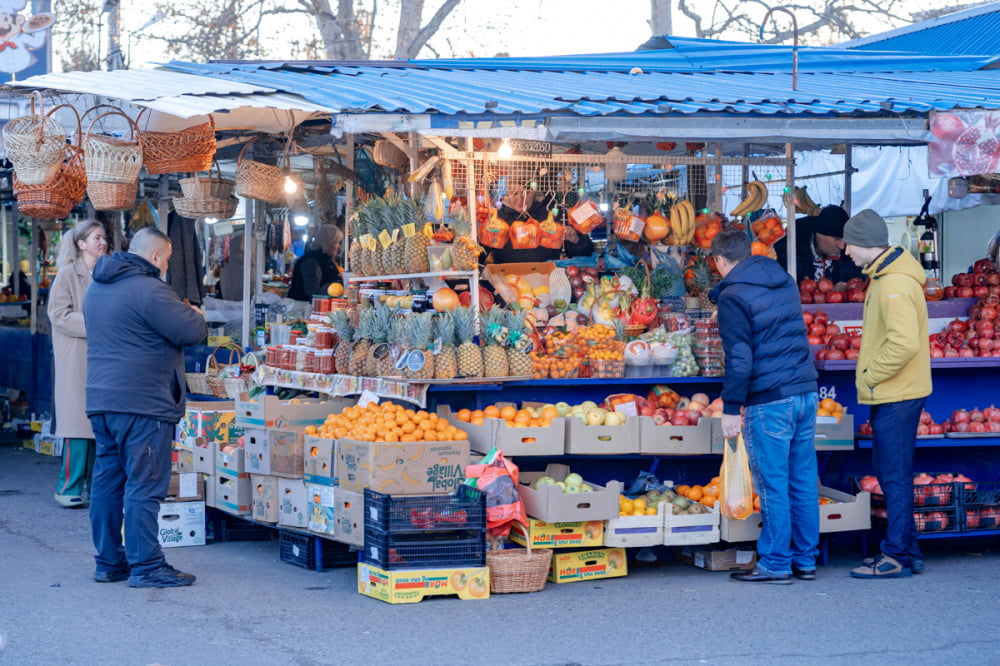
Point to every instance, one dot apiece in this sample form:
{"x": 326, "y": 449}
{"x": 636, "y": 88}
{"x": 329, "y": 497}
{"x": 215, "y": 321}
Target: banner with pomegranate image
{"x": 967, "y": 143}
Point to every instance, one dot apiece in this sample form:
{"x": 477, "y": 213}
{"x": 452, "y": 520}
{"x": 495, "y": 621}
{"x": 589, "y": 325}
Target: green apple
{"x": 562, "y": 485}
{"x": 573, "y": 479}
{"x": 588, "y": 405}
{"x": 571, "y": 488}
{"x": 584, "y": 488}
{"x": 681, "y": 502}
{"x": 595, "y": 417}
{"x": 563, "y": 408}
{"x": 614, "y": 419}
{"x": 544, "y": 481}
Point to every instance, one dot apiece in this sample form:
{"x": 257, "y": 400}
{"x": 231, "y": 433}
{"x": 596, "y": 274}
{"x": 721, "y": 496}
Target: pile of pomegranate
{"x": 983, "y": 280}
{"x": 824, "y": 331}
{"x": 825, "y": 291}
{"x": 977, "y": 336}
{"x": 978, "y": 421}
{"x": 940, "y": 490}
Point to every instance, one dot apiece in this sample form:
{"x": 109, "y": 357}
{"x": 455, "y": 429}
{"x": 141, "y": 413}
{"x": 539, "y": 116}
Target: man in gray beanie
{"x": 893, "y": 377}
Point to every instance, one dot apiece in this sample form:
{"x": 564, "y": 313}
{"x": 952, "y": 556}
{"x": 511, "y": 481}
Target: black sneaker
{"x": 804, "y": 574}
{"x": 115, "y": 576}
{"x": 165, "y": 576}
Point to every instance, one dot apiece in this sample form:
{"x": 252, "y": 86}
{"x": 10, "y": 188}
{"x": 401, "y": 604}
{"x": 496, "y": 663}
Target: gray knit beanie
{"x": 866, "y": 229}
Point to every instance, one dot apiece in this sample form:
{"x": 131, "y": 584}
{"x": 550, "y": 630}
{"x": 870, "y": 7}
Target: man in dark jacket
{"x": 770, "y": 375}
{"x": 315, "y": 270}
{"x": 136, "y": 330}
{"x": 819, "y": 247}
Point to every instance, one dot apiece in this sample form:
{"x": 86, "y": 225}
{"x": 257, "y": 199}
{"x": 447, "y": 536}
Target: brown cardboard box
{"x": 264, "y": 505}
{"x": 293, "y": 504}
{"x": 417, "y": 468}
{"x": 267, "y": 411}
{"x": 535, "y": 273}
{"x": 275, "y": 451}
{"x": 679, "y": 440}
{"x": 203, "y": 452}
{"x": 186, "y": 486}
{"x": 733, "y": 559}
{"x": 318, "y": 460}
{"x": 233, "y": 494}
{"x": 550, "y": 504}
{"x": 349, "y": 517}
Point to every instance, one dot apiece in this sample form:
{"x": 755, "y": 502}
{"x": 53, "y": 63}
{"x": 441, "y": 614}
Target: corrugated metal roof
{"x": 417, "y": 90}
{"x": 970, "y": 32}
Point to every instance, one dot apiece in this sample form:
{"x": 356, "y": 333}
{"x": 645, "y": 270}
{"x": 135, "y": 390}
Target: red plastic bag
{"x": 736, "y": 489}
{"x": 497, "y": 477}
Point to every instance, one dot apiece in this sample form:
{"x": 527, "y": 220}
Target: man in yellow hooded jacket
{"x": 893, "y": 377}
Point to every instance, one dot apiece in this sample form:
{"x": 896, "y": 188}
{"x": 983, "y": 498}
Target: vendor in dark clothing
{"x": 819, "y": 244}
{"x": 522, "y": 202}
{"x": 315, "y": 270}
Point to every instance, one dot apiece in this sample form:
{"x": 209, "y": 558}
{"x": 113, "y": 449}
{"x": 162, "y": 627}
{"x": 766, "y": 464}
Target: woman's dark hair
{"x": 732, "y": 244}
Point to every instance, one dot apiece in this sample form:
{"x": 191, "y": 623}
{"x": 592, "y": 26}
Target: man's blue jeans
{"x": 780, "y": 437}
{"x": 894, "y": 433}
{"x": 131, "y": 477}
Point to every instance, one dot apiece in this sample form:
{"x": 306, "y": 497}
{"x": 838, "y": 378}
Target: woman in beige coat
{"x": 78, "y": 252}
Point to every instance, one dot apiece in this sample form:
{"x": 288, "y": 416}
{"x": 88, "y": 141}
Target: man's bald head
{"x": 152, "y": 245}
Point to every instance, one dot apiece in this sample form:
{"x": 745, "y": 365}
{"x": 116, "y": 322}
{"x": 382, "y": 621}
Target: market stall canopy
{"x": 971, "y": 31}
{"x": 175, "y": 98}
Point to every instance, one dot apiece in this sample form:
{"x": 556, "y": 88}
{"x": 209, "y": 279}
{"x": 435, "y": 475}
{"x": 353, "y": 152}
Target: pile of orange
{"x": 830, "y": 407}
{"x": 634, "y": 507}
{"x": 709, "y": 493}
{"x": 387, "y": 422}
{"x": 514, "y": 417}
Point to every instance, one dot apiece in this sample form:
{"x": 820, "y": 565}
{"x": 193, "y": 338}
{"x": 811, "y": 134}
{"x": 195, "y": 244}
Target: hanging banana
{"x": 755, "y": 199}
{"x": 675, "y": 223}
{"x": 447, "y": 181}
{"x": 804, "y": 203}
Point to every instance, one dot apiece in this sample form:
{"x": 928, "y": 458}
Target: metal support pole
{"x": 248, "y": 292}
{"x": 848, "y": 176}
{"x": 795, "y": 41}
{"x": 348, "y": 202}
{"x": 790, "y": 211}
{"x": 33, "y": 275}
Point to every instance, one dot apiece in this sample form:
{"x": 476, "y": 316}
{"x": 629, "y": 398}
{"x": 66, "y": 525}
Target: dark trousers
{"x": 894, "y": 432}
{"x": 131, "y": 477}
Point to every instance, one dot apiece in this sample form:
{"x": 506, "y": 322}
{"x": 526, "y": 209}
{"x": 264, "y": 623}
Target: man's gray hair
{"x": 148, "y": 240}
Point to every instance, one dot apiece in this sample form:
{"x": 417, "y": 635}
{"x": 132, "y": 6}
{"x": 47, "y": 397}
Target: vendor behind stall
{"x": 315, "y": 270}
{"x": 819, "y": 244}
{"x": 522, "y": 202}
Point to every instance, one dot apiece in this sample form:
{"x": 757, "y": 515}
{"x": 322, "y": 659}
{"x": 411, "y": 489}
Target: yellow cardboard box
{"x": 408, "y": 586}
{"x": 558, "y": 535}
{"x": 417, "y": 468}
{"x": 588, "y": 565}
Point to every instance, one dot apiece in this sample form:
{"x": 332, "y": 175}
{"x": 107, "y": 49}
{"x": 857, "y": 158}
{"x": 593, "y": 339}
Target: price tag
{"x": 627, "y": 408}
{"x": 395, "y": 235}
{"x": 415, "y": 360}
{"x": 502, "y": 335}
{"x": 367, "y": 398}
{"x": 381, "y": 350}
{"x": 402, "y": 360}
{"x": 384, "y": 239}
{"x": 409, "y": 230}
{"x": 827, "y": 392}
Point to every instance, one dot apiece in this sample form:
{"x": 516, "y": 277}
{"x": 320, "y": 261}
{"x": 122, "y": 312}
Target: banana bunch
{"x": 682, "y": 221}
{"x": 804, "y": 203}
{"x": 755, "y": 200}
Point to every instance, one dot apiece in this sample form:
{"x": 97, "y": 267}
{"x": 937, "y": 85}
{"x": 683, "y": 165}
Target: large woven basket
{"x": 111, "y": 159}
{"x": 188, "y": 150}
{"x": 207, "y": 187}
{"x": 218, "y": 384}
{"x": 387, "y": 154}
{"x": 221, "y": 209}
{"x": 35, "y": 144}
{"x": 518, "y": 569}
{"x": 256, "y": 180}
{"x": 197, "y": 382}
{"x": 112, "y": 196}
{"x": 54, "y": 199}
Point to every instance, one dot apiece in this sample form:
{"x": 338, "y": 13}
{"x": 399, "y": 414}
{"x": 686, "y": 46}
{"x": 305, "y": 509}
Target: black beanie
{"x": 830, "y": 221}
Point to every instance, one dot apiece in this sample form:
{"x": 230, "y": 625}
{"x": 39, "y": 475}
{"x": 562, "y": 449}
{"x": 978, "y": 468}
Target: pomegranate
{"x": 958, "y": 325}
{"x": 840, "y": 341}
{"x": 925, "y": 417}
{"x": 977, "y": 427}
{"x": 825, "y": 285}
{"x": 946, "y": 126}
{"x": 805, "y": 297}
{"x": 965, "y": 292}
{"x": 820, "y": 297}
{"x": 807, "y": 285}
{"x": 851, "y": 354}
{"x": 950, "y": 292}
{"x": 834, "y": 355}
{"x": 972, "y": 518}
{"x": 935, "y": 429}
{"x": 820, "y": 317}
{"x": 984, "y": 266}
{"x": 807, "y": 317}
{"x": 838, "y": 297}
{"x": 868, "y": 483}
{"x": 960, "y": 416}
{"x": 976, "y": 416}
{"x": 832, "y": 329}
{"x": 975, "y": 149}
{"x": 923, "y": 430}
{"x": 856, "y": 283}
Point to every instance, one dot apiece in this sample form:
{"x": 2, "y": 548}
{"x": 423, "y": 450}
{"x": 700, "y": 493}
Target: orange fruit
{"x": 492, "y": 412}
{"x": 463, "y": 415}
{"x": 477, "y": 421}
{"x": 549, "y": 412}
{"x": 696, "y": 493}
{"x": 829, "y": 404}
{"x": 709, "y": 500}
{"x": 682, "y": 490}
{"x": 508, "y": 412}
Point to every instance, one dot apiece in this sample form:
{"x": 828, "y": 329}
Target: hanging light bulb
{"x": 291, "y": 187}
{"x": 505, "y": 151}
{"x": 300, "y": 220}
{"x": 211, "y": 220}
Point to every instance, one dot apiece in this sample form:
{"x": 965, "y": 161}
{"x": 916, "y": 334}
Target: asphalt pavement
{"x": 249, "y": 607}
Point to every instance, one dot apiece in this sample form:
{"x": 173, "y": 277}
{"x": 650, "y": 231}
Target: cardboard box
{"x": 293, "y": 505}
{"x": 287, "y": 446}
{"x": 203, "y": 454}
{"x": 633, "y": 531}
{"x": 602, "y": 440}
{"x": 212, "y": 420}
{"x": 233, "y": 494}
{"x": 408, "y": 586}
{"x": 688, "y": 529}
{"x": 231, "y": 463}
{"x": 591, "y": 564}
{"x": 737, "y": 531}
{"x": 267, "y": 411}
{"x": 181, "y": 524}
{"x": 534, "y": 273}
{"x": 547, "y": 441}
{"x": 256, "y": 448}
{"x": 349, "y": 517}
{"x": 550, "y": 504}
{"x": 558, "y": 535}
{"x": 418, "y": 468}
{"x": 320, "y": 500}
{"x": 733, "y": 559}
{"x": 835, "y": 436}
{"x": 182, "y": 460}
{"x": 318, "y": 460}
{"x": 211, "y": 487}
{"x": 700, "y": 439}
{"x": 264, "y": 505}
{"x": 851, "y": 512}
{"x": 186, "y": 486}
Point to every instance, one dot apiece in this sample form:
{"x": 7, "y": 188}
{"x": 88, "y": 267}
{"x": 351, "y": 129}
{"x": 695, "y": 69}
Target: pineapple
{"x": 470, "y": 356}
{"x": 345, "y": 340}
{"x": 701, "y": 282}
{"x": 393, "y": 259}
{"x": 419, "y": 338}
{"x": 446, "y": 363}
{"x": 362, "y": 344}
{"x": 381, "y": 323}
{"x": 415, "y": 247}
{"x": 464, "y": 251}
{"x": 387, "y": 364}
{"x": 373, "y": 210}
{"x": 518, "y": 361}
{"x": 359, "y": 217}
{"x": 494, "y": 353}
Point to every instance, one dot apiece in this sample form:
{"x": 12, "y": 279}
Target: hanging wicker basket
{"x": 111, "y": 159}
{"x": 112, "y": 196}
{"x": 56, "y": 197}
{"x": 256, "y": 180}
{"x": 217, "y": 381}
{"x": 388, "y": 154}
{"x": 518, "y": 569}
{"x": 221, "y": 209}
{"x": 197, "y": 382}
{"x": 35, "y": 144}
{"x": 189, "y": 150}
{"x": 207, "y": 187}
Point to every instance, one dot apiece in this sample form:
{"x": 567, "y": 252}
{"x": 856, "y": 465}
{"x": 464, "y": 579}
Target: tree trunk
{"x": 411, "y": 13}
{"x": 660, "y": 20}
{"x": 340, "y": 32}
{"x": 407, "y": 21}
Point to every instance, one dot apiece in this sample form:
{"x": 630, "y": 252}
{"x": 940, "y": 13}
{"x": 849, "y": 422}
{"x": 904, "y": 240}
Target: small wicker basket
{"x": 256, "y": 180}
{"x": 221, "y": 209}
{"x": 186, "y": 151}
{"x": 110, "y": 159}
{"x": 35, "y": 144}
{"x": 112, "y": 196}
{"x": 518, "y": 570}
{"x": 207, "y": 187}
{"x": 54, "y": 199}
{"x": 197, "y": 382}
{"x": 387, "y": 154}
{"x": 217, "y": 383}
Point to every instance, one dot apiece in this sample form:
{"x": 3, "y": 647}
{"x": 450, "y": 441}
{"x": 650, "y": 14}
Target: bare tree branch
{"x": 432, "y": 27}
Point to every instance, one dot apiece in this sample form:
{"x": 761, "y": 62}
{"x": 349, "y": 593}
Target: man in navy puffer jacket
{"x": 771, "y": 376}
{"x": 137, "y": 328}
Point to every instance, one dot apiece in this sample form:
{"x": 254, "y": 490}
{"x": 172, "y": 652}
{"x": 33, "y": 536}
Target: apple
{"x": 573, "y": 479}
{"x": 571, "y": 488}
{"x": 596, "y": 417}
{"x": 563, "y": 408}
{"x": 614, "y": 419}
{"x": 561, "y": 485}
{"x": 584, "y": 488}
{"x": 588, "y": 405}
{"x": 544, "y": 481}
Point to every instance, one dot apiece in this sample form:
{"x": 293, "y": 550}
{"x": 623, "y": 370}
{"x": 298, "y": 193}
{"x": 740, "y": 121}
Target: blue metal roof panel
{"x": 969, "y": 32}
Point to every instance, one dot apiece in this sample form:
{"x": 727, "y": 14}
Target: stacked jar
{"x": 707, "y": 347}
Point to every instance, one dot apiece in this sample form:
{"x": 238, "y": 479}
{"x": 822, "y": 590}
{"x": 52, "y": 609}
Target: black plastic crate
{"x": 938, "y": 519}
{"x": 227, "y": 527}
{"x": 932, "y": 494}
{"x": 300, "y": 550}
{"x": 454, "y": 548}
{"x": 465, "y": 508}
{"x": 980, "y": 508}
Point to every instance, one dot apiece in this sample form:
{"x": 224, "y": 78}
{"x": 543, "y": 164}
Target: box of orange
{"x": 521, "y": 440}
{"x": 408, "y": 586}
{"x": 591, "y": 564}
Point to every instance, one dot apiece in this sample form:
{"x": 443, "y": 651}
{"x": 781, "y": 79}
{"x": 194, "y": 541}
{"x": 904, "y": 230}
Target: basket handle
{"x": 76, "y": 114}
{"x": 133, "y": 128}
{"x": 261, "y": 138}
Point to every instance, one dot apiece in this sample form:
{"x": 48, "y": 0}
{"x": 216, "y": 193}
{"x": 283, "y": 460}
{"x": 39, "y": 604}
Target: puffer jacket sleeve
{"x": 176, "y": 321}
{"x": 900, "y": 344}
{"x": 62, "y": 314}
{"x": 735, "y": 318}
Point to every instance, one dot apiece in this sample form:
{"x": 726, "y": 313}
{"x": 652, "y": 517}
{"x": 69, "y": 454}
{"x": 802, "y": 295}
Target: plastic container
{"x": 300, "y": 550}
{"x": 639, "y": 368}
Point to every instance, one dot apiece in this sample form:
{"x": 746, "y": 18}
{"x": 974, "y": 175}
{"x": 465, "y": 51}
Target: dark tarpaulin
{"x": 184, "y": 273}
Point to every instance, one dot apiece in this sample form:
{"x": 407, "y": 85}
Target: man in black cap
{"x": 819, "y": 242}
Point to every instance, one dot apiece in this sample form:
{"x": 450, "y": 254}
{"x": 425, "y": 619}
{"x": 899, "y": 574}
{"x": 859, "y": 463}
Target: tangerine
{"x": 463, "y": 415}
{"x": 492, "y": 412}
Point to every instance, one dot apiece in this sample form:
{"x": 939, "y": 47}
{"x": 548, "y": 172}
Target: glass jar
{"x": 933, "y": 290}
{"x": 273, "y": 356}
{"x": 324, "y": 361}
{"x": 320, "y": 304}
{"x": 288, "y": 357}
{"x": 324, "y": 337}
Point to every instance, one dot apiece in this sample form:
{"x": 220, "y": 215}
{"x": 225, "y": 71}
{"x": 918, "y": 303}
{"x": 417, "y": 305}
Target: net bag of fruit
{"x": 497, "y": 477}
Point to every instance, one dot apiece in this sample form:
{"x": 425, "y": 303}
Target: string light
{"x": 291, "y": 187}
{"x": 505, "y": 151}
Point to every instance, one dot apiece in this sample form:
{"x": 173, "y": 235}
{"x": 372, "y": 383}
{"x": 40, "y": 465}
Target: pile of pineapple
{"x": 431, "y": 345}
{"x": 390, "y": 236}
